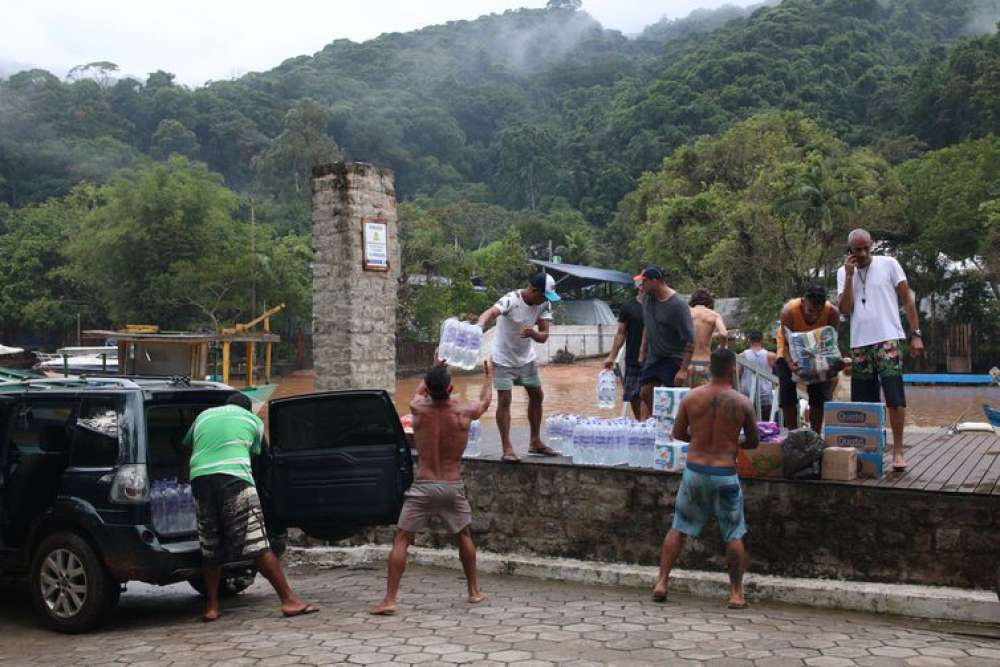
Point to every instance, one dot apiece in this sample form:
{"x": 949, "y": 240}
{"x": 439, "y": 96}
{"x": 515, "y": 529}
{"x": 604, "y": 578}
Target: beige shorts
{"x": 425, "y": 499}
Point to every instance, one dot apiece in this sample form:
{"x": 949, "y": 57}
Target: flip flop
{"x": 543, "y": 451}
{"x": 308, "y": 609}
{"x": 743, "y": 605}
{"x": 659, "y": 597}
{"x": 206, "y": 619}
{"x": 510, "y": 458}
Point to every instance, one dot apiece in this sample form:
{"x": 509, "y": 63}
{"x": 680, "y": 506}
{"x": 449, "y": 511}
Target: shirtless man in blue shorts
{"x": 710, "y": 419}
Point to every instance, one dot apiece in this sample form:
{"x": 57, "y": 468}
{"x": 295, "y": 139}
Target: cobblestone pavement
{"x": 524, "y": 622}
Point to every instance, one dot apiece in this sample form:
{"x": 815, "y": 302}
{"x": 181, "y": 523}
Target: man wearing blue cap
{"x": 522, "y": 318}
{"x": 667, "y": 337}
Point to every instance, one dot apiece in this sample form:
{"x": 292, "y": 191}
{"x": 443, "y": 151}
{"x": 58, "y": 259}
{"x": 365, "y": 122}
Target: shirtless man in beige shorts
{"x": 707, "y": 325}
{"x": 440, "y": 432}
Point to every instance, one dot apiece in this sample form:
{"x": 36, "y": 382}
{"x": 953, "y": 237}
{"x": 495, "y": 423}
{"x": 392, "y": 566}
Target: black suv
{"x": 79, "y": 457}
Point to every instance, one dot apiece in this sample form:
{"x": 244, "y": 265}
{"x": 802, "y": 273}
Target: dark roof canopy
{"x": 574, "y": 276}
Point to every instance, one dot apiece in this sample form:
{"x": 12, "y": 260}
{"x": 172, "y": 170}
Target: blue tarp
{"x": 945, "y": 378}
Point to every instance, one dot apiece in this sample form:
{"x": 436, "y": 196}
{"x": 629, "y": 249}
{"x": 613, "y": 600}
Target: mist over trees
{"x": 514, "y": 130}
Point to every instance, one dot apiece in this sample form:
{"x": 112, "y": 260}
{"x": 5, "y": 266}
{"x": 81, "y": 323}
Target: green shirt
{"x": 223, "y": 439}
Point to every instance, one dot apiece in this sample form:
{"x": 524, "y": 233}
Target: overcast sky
{"x": 218, "y": 39}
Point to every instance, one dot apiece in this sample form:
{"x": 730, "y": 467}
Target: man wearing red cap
{"x": 667, "y": 337}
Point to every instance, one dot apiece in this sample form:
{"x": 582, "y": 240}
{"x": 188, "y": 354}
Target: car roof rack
{"x": 83, "y": 381}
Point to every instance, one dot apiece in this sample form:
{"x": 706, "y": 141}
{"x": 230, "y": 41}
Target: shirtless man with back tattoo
{"x": 710, "y": 419}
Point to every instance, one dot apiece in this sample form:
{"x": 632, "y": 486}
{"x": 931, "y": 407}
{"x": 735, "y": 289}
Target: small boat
{"x": 76, "y": 360}
{"x": 15, "y": 357}
{"x": 992, "y": 415}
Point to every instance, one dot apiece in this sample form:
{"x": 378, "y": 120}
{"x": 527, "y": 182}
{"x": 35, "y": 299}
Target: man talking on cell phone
{"x": 872, "y": 289}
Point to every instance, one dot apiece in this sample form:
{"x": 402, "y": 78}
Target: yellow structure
{"x": 245, "y": 329}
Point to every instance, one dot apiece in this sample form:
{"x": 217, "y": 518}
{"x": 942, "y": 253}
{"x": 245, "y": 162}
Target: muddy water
{"x": 570, "y": 389}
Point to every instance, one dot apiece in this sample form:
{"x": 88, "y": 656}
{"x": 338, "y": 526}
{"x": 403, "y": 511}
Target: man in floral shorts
{"x": 872, "y": 289}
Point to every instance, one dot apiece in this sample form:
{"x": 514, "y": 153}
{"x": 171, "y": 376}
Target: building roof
{"x": 190, "y": 338}
{"x": 574, "y": 276}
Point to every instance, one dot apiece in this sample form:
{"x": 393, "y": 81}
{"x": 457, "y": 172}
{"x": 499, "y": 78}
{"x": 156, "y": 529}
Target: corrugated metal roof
{"x": 574, "y": 276}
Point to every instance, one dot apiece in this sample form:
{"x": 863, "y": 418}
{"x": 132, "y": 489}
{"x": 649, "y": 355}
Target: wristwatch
{"x": 917, "y": 332}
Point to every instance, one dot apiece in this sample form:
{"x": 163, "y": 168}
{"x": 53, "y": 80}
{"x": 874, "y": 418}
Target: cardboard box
{"x": 854, "y": 415}
{"x": 870, "y": 465}
{"x": 670, "y": 456}
{"x": 667, "y": 401}
{"x": 765, "y": 461}
{"x": 863, "y": 439}
{"x": 840, "y": 464}
{"x": 665, "y": 428}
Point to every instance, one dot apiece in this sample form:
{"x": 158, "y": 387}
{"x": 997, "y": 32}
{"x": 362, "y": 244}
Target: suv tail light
{"x": 131, "y": 484}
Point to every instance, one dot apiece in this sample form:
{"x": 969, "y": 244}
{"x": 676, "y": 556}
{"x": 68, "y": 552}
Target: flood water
{"x": 571, "y": 389}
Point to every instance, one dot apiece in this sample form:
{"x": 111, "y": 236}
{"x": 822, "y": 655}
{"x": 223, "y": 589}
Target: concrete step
{"x": 926, "y": 602}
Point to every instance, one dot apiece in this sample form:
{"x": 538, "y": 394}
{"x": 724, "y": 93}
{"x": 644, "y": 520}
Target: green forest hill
{"x": 735, "y": 147}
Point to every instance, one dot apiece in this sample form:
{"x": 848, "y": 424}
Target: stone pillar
{"x": 354, "y": 310}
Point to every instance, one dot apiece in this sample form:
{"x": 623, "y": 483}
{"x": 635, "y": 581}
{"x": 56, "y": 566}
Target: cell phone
{"x": 850, "y": 250}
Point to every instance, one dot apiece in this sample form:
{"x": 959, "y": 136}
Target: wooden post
{"x": 267, "y": 352}
{"x": 225, "y": 362}
{"x": 250, "y": 360}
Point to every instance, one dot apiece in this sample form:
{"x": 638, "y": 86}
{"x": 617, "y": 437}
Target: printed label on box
{"x": 671, "y": 456}
{"x": 667, "y": 401}
{"x": 864, "y": 415}
{"x": 865, "y": 439}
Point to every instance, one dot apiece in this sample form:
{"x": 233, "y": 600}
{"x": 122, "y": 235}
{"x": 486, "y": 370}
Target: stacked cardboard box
{"x": 667, "y": 401}
{"x": 840, "y": 464}
{"x": 670, "y": 456}
{"x": 764, "y": 461}
{"x": 860, "y": 426}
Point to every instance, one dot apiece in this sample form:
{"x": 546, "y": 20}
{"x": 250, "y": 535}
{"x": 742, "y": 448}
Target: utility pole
{"x": 253, "y": 262}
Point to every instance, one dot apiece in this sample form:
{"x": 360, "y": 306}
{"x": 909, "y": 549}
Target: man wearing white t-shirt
{"x": 522, "y": 318}
{"x": 872, "y": 289}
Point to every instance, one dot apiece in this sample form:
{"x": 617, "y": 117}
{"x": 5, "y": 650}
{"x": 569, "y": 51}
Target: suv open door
{"x": 337, "y": 462}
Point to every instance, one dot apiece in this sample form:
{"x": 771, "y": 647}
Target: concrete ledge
{"x": 939, "y": 603}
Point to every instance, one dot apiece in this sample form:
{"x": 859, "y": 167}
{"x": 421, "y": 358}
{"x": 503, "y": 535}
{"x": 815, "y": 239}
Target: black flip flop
{"x": 308, "y": 609}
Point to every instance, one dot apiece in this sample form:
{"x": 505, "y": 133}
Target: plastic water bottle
{"x": 607, "y": 389}
{"x": 458, "y": 355}
{"x": 446, "y": 343}
{"x": 170, "y": 507}
{"x": 600, "y": 443}
{"x": 190, "y": 516}
{"x": 156, "y": 504}
{"x": 583, "y": 436}
{"x": 472, "y": 444}
{"x": 565, "y": 425}
{"x": 475, "y": 344}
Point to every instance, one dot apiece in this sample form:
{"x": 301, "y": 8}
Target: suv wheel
{"x": 228, "y": 586}
{"x": 69, "y": 585}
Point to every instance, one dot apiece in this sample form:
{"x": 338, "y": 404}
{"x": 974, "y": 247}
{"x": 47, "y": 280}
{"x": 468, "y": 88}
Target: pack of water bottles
{"x": 460, "y": 343}
{"x": 605, "y": 442}
{"x": 607, "y": 389}
{"x": 472, "y": 444}
{"x": 172, "y": 506}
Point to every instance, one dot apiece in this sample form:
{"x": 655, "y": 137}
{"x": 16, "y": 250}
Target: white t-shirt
{"x": 875, "y": 318}
{"x": 509, "y": 349}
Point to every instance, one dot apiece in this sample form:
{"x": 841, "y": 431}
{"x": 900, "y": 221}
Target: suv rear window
{"x": 166, "y": 426}
{"x": 95, "y": 435}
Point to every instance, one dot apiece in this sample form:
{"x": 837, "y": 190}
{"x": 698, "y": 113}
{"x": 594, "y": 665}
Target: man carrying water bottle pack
{"x": 517, "y": 315}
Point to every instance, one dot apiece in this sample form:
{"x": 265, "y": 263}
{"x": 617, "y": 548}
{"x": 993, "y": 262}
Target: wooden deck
{"x": 942, "y": 463}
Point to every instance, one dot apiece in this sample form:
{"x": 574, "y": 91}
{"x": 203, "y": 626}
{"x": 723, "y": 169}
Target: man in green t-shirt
{"x": 230, "y": 520}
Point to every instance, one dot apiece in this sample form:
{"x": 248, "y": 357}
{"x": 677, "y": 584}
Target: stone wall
{"x": 796, "y": 529}
{"x": 354, "y": 311}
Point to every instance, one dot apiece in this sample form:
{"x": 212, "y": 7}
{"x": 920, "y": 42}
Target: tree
{"x": 172, "y": 138}
{"x": 285, "y": 165}
{"x": 162, "y": 231}
{"x": 526, "y": 165}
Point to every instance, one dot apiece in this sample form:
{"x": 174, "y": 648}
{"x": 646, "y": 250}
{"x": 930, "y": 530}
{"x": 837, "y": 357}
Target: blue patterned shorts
{"x": 706, "y": 491}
